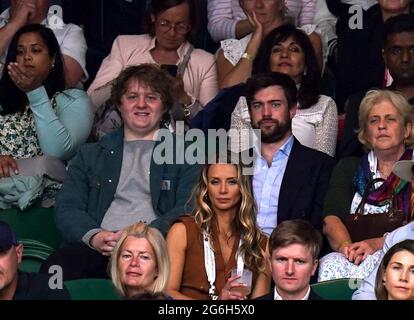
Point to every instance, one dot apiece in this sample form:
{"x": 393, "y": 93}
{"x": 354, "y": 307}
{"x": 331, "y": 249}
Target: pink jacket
{"x": 200, "y": 76}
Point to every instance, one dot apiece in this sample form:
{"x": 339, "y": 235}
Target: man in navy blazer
{"x": 290, "y": 180}
{"x": 294, "y": 247}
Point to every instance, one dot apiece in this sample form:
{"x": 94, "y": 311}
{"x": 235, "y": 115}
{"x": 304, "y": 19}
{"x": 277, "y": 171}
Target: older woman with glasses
{"x": 170, "y": 24}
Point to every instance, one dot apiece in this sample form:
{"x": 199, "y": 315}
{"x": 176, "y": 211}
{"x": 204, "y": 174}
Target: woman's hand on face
{"x": 7, "y": 163}
{"x": 24, "y": 78}
{"x": 256, "y": 26}
{"x": 228, "y": 292}
{"x": 359, "y": 251}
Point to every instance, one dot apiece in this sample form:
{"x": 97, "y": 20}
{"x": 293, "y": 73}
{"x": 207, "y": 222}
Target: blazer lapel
{"x": 293, "y": 179}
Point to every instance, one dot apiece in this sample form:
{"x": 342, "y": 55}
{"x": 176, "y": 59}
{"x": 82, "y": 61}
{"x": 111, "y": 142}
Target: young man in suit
{"x": 294, "y": 248}
{"x": 290, "y": 180}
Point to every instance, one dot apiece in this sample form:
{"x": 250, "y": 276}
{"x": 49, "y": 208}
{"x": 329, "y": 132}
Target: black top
{"x": 35, "y": 286}
{"x": 271, "y": 296}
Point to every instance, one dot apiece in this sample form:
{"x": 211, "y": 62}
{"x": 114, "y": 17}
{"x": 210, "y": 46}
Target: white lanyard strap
{"x": 240, "y": 261}
{"x": 210, "y": 265}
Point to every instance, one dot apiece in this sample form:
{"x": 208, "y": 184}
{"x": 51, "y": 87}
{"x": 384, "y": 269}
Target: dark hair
{"x": 263, "y": 80}
{"x": 310, "y": 86}
{"x": 380, "y": 290}
{"x": 158, "y": 6}
{"x": 12, "y": 99}
{"x": 397, "y": 24}
{"x": 296, "y": 232}
{"x": 149, "y": 74}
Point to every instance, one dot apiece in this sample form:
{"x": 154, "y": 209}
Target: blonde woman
{"x": 139, "y": 261}
{"x": 221, "y": 236}
{"x": 387, "y": 131}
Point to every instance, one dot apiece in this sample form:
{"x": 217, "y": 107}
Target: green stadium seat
{"x": 34, "y": 253}
{"x": 338, "y": 289}
{"x": 37, "y": 224}
{"x": 92, "y": 289}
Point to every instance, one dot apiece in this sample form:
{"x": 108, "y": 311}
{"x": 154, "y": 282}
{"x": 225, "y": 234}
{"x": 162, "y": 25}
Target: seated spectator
{"x": 386, "y": 128}
{"x": 118, "y": 181}
{"x": 398, "y": 55}
{"x": 235, "y": 58}
{"x": 70, "y": 37}
{"x": 223, "y": 230}
{"x": 38, "y": 116}
{"x": 367, "y": 289}
{"x": 139, "y": 262}
{"x": 226, "y": 18}
{"x": 294, "y": 247}
{"x": 290, "y": 180}
{"x": 360, "y": 65}
{"x": 288, "y": 50}
{"x": 18, "y": 285}
{"x": 170, "y": 24}
{"x": 395, "y": 276}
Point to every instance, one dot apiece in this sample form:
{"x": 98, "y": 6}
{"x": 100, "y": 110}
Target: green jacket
{"x": 92, "y": 180}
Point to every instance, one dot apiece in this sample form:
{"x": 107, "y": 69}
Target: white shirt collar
{"x": 277, "y": 296}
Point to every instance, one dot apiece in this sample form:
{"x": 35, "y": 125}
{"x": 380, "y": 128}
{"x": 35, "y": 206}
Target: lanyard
{"x": 210, "y": 265}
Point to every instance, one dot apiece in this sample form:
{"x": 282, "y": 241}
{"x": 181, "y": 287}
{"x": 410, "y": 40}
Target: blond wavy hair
{"x": 158, "y": 244}
{"x": 244, "y": 223}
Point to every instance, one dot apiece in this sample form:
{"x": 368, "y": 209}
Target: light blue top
{"x": 367, "y": 289}
{"x": 61, "y": 131}
{"x": 266, "y": 185}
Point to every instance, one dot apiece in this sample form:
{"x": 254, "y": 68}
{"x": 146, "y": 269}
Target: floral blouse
{"x": 18, "y": 136}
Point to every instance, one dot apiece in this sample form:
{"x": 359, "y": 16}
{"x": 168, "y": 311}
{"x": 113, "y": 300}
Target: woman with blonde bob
{"x": 139, "y": 261}
{"x": 220, "y": 236}
{"x": 386, "y": 129}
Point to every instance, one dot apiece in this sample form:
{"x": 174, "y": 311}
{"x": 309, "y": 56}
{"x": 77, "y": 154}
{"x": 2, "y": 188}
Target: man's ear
{"x": 292, "y": 111}
{"x": 315, "y": 266}
{"x": 19, "y": 252}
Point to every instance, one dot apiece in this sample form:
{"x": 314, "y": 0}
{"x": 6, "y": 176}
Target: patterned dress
{"x": 18, "y": 137}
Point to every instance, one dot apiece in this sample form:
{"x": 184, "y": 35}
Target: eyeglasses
{"x": 180, "y": 27}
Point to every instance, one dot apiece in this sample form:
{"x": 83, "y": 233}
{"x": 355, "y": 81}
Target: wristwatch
{"x": 247, "y": 56}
